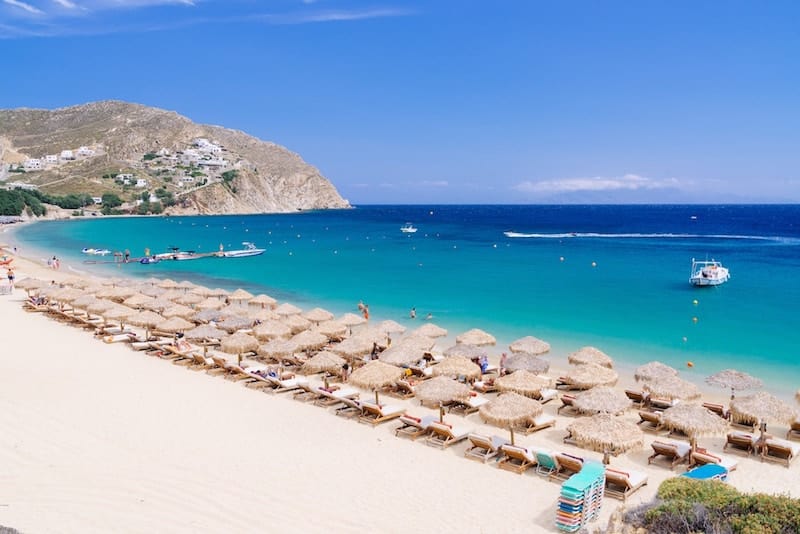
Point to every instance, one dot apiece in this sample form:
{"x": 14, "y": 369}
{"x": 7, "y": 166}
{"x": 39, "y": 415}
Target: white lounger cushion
{"x": 529, "y": 455}
{"x": 745, "y": 435}
{"x": 392, "y": 409}
{"x": 477, "y": 401}
{"x": 548, "y": 394}
{"x": 635, "y": 478}
{"x": 682, "y": 448}
{"x": 344, "y": 392}
{"x": 498, "y": 442}
{"x": 543, "y": 419}
{"x": 794, "y": 447}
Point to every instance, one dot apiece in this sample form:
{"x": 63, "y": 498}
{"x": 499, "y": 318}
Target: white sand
{"x": 99, "y": 438}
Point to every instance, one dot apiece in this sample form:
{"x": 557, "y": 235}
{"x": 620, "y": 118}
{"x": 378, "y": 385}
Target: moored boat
{"x": 708, "y": 273}
{"x": 408, "y": 228}
{"x": 249, "y": 250}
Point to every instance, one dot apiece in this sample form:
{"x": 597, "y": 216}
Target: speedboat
{"x": 249, "y": 250}
{"x": 408, "y": 228}
{"x": 708, "y": 273}
{"x": 96, "y": 251}
{"x": 149, "y": 261}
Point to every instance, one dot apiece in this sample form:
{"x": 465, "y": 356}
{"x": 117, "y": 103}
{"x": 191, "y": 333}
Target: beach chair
{"x": 703, "y": 457}
{"x": 546, "y": 463}
{"x": 741, "y": 442}
{"x": 413, "y": 427}
{"x": 567, "y": 402}
{"x": 401, "y": 389}
{"x": 660, "y": 404}
{"x": 306, "y": 392}
{"x": 637, "y": 397}
{"x": 650, "y": 421}
{"x": 375, "y": 414}
{"x": 794, "y": 430}
{"x": 484, "y": 386}
{"x": 546, "y": 395}
{"x": 221, "y": 366}
{"x": 780, "y": 450}
{"x": 516, "y": 459}
{"x": 568, "y": 466}
{"x": 200, "y": 362}
{"x": 469, "y": 406}
{"x": 282, "y": 385}
{"x": 621, "y": 484}
{"x": 483, "y": 448}
{"x": 331, "y": 397}
{"x": 675, "y": 453}
{"x": 718, "y": 409}
{"x": 710, "y": 471}
{"x": 538, "y": 423}
{"x": 349, "y": 408}
{"x": 444, "y": 435}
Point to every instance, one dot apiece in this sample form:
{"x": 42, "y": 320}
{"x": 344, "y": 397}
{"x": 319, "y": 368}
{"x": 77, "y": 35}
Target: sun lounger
{"x": 306, "y": 393}
{"x": 750, "y": 425}
{"x": 794, "y": 430}
{"x": 483, "y": 448}
{"x": 444, "y": 434}
{"x": 286, "y": 384}
{"x": 676, "y": 453}
{"x": 718, "y": 409}
{"x": 414, "y": 427}
{"x": 484, "y": 386}
{"x": 637, "y": 397}
{"x": 400, "y": 390}
{"x": 650, "y": 421}
{"x": 661, "y": 404}
{"x": 780, "y": 450}
{"x": 741, "y": 442}
{"x": 567, "y": 403}
{"x": 568, "y": 466}
{"x": 710, "y": 471}
{"x": 330, "y": 397}
{"x": 546, "y": 463}
{"x": 546, "y": 395}
{"x": 516, "y": 459}
{"x": 621, "y": 484}
{"x": 538, "y": 423}
{"x": 703, "y": 457}
{"x": 200, "y": 362}
{"x": 221, "y": 366}
{"x": 349, "y": 408}
{"x": 375, "y": 414}
{"x": 469, "y": 406}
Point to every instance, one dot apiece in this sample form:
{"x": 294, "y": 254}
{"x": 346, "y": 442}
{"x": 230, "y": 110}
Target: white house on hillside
{"x": 141, "y": 182}
{"x": 32, "y": 164}
{"x": 67, "y": 155}
{"x": 51, "y": 159}
{"x": 213, "y": 162}
{"x": 85, "y": 152}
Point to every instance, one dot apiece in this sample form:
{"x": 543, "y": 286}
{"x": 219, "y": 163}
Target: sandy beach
{"x": 97, "y": 438}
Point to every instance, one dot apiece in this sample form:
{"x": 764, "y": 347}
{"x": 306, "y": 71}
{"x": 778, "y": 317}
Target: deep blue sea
{"x": 611, "y": 276}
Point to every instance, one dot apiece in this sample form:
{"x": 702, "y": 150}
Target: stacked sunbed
{"x": 581, "y": 497}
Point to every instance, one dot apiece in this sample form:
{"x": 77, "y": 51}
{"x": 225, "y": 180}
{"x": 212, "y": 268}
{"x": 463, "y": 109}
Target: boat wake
{"x": 519, "y": 235}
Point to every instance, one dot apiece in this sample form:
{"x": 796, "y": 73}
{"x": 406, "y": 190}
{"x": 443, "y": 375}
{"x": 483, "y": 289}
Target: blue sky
{"x": 450, "y": 101}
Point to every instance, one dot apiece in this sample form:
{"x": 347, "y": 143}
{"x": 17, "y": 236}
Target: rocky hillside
{"x": 200, "y": 168}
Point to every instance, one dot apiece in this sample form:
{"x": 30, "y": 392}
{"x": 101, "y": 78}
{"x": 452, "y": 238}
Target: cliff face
{"x": 160, "y": 147}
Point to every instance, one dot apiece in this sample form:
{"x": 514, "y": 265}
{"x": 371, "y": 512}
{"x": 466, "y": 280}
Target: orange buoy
{"x": 689, "y": 364}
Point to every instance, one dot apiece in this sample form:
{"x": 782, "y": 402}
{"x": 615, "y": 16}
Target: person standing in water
{"x": 413, "y": 313}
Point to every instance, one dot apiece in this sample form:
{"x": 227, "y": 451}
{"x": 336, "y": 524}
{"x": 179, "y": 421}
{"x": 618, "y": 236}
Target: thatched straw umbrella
{"x": 694, "y": 421}
{"x": 81, "y": 303}
{"x": 590, "y": 375}
{"x": 309, "y": 340}
{"x": 602, "y": 399}
{"x": 201, "y": 290}
{"x": 189, "y": 299}
{"x": 30, "y": 284}
{"x": 456, "y": 366}
{"x": 206, "y": 316}
{"x": 323, "y": 362}
{"x": 78, "y": 281}
{"x": 261, "y": 315}
{"x": 351, "y": 319}
{"x": 265, "y": 301}
{"x": 277, "y": 349}
{"x": 240, "y": 295}
{"x": 671, "y": 388}
{"x": 472, "y": 352}
{"x": 158, "y": 304}
{"x": 296, "y": 322}
{"x": 238, "y": 344}
{"x": 402, "y": 355}
{"x": 607, "y": 434}
{"x": 167, "y": 283}
{"x": 218, "y": 292}
{"x": 590, "y": 355}
{"x": 100, "y": 306}
{"x": 173, "y": 325}
{"x": 185, "y": 285}
{"x": 526, "y": 361}
{"x": 763, "y": 408}
{"x": 530, "y": 345}
{"x": 272, "y": 330}
{"x": 235, "y": 309}
{"x": 441, "y": 390}
{"x": 178, "y": 310}
{"x": 210, "y": 303}
{"x": 430, "y": 330}
{"x": 205, "y": 332}
{"x": 391, "y": 327}
{"x": 654, "y": 370}
{"x": 524, "y": 383}
{"x": 152, "y": 291}
{"x": 171, "y": 294}
{"x": 333, "y": 329}
{"x": 510, "y": 410}
{"x": 233, "y": 323}
{"x": 147, "y": 320}
{"x": 353, "y": 347}
{"x": 317, "y": 315}
{"x": 733, "y": 379}
{"x": 476, "y": 336}
{"x": 288, "y": 309}
{"x": 118, "y": 313}
{"x": 375, "y": 375}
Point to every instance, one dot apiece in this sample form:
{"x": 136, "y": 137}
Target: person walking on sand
{"x": 10, "y": 275}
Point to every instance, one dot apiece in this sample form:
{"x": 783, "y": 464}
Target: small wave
{"x": 786, "y": 240}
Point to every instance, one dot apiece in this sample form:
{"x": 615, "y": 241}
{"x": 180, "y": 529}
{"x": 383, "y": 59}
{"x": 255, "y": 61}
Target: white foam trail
{"x": 787, "y": 240}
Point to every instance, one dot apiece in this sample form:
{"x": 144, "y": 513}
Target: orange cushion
{"x": 623, "y": 473}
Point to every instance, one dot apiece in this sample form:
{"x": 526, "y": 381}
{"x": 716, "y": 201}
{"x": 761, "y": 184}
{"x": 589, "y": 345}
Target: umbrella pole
{"x": 511, "y": 429}
{"x": 441, "y": 413}
{"x": 606, "y": 457}
{"x": 376, "y": 398}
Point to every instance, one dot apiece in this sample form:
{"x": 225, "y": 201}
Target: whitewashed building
{"x": 97, "y": 200}
{"x": 51, "y": 159}
{"x": 141, "y": 182}
{"x": 219, "y": 163}
{"x": 67, "y": 155}
{"x": 32, "y": 164}
{"x": 85, "y": 152}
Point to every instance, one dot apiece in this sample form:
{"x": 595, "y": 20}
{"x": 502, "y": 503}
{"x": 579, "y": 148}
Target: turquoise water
{"x": 635, "y": 303}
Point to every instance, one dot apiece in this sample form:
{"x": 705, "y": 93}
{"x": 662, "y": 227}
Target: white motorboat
{"x": 708, "y": 273}
{"x": 96, "y": 251}
{"x": 249, "y": 250}
{"x": 408, "y": 228}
